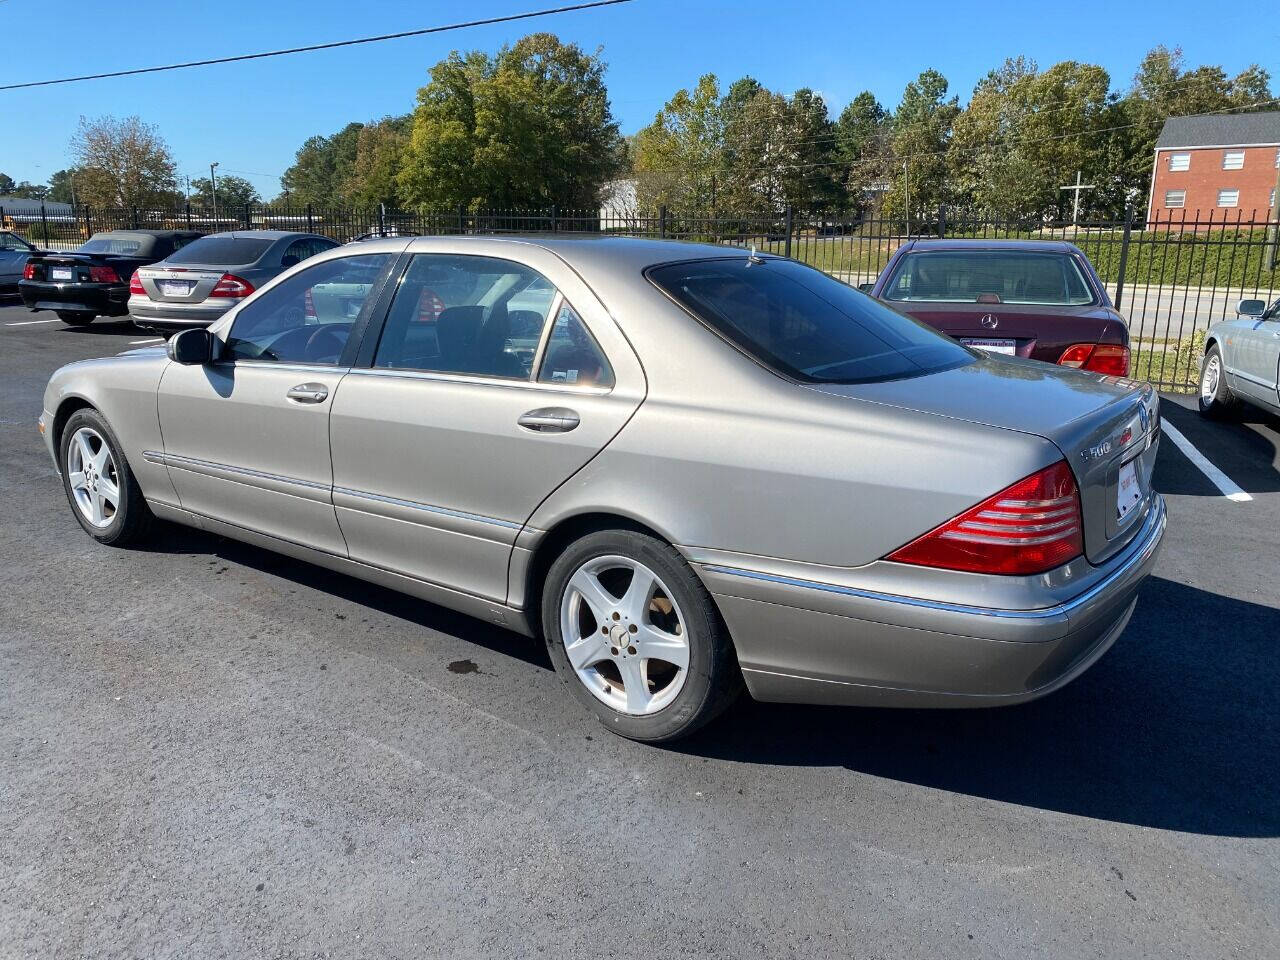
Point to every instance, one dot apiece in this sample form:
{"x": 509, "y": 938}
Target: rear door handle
{"x": 549, "y": 420}
{"x": 308, "y": 393}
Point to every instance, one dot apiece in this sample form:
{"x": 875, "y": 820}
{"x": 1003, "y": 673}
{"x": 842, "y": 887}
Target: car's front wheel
{"x": 99, "y": 484}
{"x": 1216, "y": 398}
{"x": 636, "y": 637}
{"x": 76, "y": 318}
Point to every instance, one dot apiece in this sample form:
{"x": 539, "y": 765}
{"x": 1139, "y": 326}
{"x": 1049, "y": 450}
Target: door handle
{"x": 308, "y": 393}
{"x": 549, "y": 420}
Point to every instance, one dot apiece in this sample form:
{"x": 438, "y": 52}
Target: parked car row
{"x": 163, "y": 279}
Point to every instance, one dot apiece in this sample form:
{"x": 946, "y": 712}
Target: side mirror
{"x": 866, "y": 286}
{"x": 290, "y": 261}
{"x": 1251, "y": 308}
{"x": 190, "y": 348}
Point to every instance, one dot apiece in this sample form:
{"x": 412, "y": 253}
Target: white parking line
{"x": 27, "y": 323}
{"x": 1216, "y": 476}
{"x": 152, "y": 340}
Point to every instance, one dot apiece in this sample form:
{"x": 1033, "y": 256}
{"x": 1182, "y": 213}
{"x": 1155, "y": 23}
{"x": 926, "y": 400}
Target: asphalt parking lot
{"x": 207, "y": 750}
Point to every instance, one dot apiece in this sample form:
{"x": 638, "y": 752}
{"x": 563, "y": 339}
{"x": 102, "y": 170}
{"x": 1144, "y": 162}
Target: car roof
{"x": 982, "y": 243}
{"x": 265, "y": 234}
{"x": 581, "y": 249}
{"x": 158, "y": 234}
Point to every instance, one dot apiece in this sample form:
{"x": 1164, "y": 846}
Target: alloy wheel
{"x": 624, "y": 635}
{"x": 93, "y": 476}
{"x": 1209, "y": 379}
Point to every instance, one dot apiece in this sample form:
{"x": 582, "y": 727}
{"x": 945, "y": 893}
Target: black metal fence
{"x": 1172, "y": 276}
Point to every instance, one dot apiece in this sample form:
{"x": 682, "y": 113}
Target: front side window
{"x": 803, "y": 323}
{"x": 1175, "y": 198}
{"x": 1179, "y": 161}
{"x": 573, "y": 357}
{"x": 989, "y": 276}
{"x": 1233, "y": 160}
{"x": 470, "y": 315}
{"x": 1228, "y": 198}
{"x": 308, "y": 317}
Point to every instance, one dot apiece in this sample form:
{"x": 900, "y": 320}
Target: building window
{"x": 1232, "y": 159}
{"x": 1278, "y": 159}
{"x": 1271, "y": 204}
{"x": 1179, "y": 161}
{"x": 1175, "y": 198}
{"x": 1228, "y": 198}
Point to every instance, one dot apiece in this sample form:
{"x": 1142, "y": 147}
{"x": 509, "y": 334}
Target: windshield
{"x": 221, "y": 251}
{"x": 805, "y": 324}
{"x": 989, "y": 276}
{"x": 122, "y": 243}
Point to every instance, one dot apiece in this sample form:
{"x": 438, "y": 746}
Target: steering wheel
{"x": 327, "y": 330}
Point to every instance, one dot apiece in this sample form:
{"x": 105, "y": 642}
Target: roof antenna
{"x": 754, "y": 257}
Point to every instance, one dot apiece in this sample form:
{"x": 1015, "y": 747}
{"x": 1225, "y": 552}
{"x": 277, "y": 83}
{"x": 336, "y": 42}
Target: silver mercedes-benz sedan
{"x": 684, "y": 467}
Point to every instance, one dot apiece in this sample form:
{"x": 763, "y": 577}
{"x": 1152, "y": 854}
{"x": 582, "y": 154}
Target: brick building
{"x": 1213, "y": 166}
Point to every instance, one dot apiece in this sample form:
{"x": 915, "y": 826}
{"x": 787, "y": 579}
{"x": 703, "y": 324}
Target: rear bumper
{"x": 151, "y": 313}
{"x": 104, "y": 300}
{"x": 810, "y": 642}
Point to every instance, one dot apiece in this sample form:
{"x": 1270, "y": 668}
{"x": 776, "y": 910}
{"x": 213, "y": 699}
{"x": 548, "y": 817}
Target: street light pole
{"x": 213, "y": 188}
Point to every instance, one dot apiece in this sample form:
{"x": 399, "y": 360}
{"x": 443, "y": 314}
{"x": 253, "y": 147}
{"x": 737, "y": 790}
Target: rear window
{"x": 989, "y": 276}
{"x": 221, "y": 251}
{"x": 805, "y": 324}
{"x": 119, "y": 243}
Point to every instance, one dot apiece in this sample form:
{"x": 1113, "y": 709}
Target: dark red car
{"x": 1033, "y": 298}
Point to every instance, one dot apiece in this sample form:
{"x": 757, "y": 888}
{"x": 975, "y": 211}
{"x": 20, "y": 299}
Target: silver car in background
{"x": 14, "y": 253}
{"x": 685, "y": 467}
{"x": 1241, "y": 361}
{"x": 196, "y": 285}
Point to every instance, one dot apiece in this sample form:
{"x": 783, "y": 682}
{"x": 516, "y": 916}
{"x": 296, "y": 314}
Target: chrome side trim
{"x": 1140, "y": 556}
{"x": 204, "y": 466}
{"x": 510, "y": 382}
{"x": 426, "y": 507}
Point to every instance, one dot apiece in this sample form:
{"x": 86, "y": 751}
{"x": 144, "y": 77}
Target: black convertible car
{"x": 93, "y": 281}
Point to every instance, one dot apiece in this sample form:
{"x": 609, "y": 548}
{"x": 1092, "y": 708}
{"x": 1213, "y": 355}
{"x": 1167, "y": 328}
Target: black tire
{"x": 76, "y": 318}
{"x": 712, "y": 680}
{"x": 132, "y": 518}
{"x": 1222, "y": 403}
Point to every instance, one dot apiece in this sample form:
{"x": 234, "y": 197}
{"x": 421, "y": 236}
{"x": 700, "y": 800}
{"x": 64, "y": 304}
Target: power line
{"x": 321, "y": 46}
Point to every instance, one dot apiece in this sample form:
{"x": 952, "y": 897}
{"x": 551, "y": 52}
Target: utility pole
{"x": 213, "y": 189}
{"x": 906, "y": 192}
{"x": 1270, "y": 258}
{"x": 1075, "y": 203}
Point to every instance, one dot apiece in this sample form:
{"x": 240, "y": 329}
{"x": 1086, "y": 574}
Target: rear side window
{"x": 573, "y": 357}
{"x": 995, "y": 276}
{"x": 804, "y": 324}
{"x": 221, "y": 251}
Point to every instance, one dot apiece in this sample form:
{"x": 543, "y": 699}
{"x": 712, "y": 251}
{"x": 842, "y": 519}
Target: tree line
{"x": 531, "y": 127}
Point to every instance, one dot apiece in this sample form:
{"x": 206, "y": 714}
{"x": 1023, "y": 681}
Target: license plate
{"x": 1009, "y": 347}
{"x": 61, "y": 273}
{"x": 1128, "y": 492}
{"x": 175, "y": 288}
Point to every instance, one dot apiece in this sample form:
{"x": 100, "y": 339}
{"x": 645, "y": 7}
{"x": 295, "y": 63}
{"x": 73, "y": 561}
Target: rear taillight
{"x": 103, "y": 275}
{"x": 135, "y": 286}
{"x": 29, "y": 271}
{"x": 1030, "y": 527}
{"x": 1108, "y": 358}
{"x": 231, "y": 286}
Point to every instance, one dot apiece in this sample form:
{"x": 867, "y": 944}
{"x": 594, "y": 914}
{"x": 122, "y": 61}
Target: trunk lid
{"x": 166, "y": 284}
{"x": 73, "y": 266}
{"x": 1038, "y": 332}
{"x": 1106, "y": 428}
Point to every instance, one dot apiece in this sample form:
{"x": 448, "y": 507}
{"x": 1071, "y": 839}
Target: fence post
{"x": 942, "y": 221}
{"x": 187, "y": 212}
{"x": 1124, "y": 253}
{"x": 786, "y": 249}
{"x": 662, "y": 221}
{"x": 44, "y": 222}
{"x": 382, "y": 219}
{"x": 462, "y": 213}
{"x": 88, "y": 222}
{"x": 311, "y": 227}
{"x": 248, "y": 223}
{"x": 135, "y": 218}
{"x": 553, "y": 218}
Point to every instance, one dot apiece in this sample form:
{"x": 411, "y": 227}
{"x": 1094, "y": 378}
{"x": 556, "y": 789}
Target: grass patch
{"x": 1174, "y": 367}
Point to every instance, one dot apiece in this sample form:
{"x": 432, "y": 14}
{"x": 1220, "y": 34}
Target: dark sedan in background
{"x": 14, "y": 253}
{"x": 1029, "y": 298}
{"x": 93, "y": 281}
{"x": 199, "y": 283}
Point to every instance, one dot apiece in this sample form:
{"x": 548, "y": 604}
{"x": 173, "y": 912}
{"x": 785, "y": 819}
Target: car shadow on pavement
{"x": 1177, "y": 727}
{"x": 1244, "y": 447}
{"x": 177, "y": 539}
{"x": 105, "y": 325}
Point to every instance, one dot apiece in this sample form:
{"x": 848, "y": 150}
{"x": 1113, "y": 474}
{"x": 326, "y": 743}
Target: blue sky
{"x": 251, "y": 117}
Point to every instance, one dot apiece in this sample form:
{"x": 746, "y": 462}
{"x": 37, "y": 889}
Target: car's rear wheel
{"x": 76, "y": 318}
{"x": 636, "y": 637}
{"x": 1216, "y": 398}
{"x": 104, "y": 496}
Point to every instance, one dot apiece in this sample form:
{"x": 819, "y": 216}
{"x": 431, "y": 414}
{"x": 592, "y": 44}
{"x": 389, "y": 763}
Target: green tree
{"x": 123, "y": 163}
{"x": 921, "y": 129}
{"x": 234, "y": 194}
{"x": 61, "y": 189}
{"x": 679, "y": 159}
{"x": 322, "y": 167}
{"x": 380, "y": 150}
{"x": 6, "y": 185}
{"x": 862, "y": 144}
{"x": 529, "y": 127}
